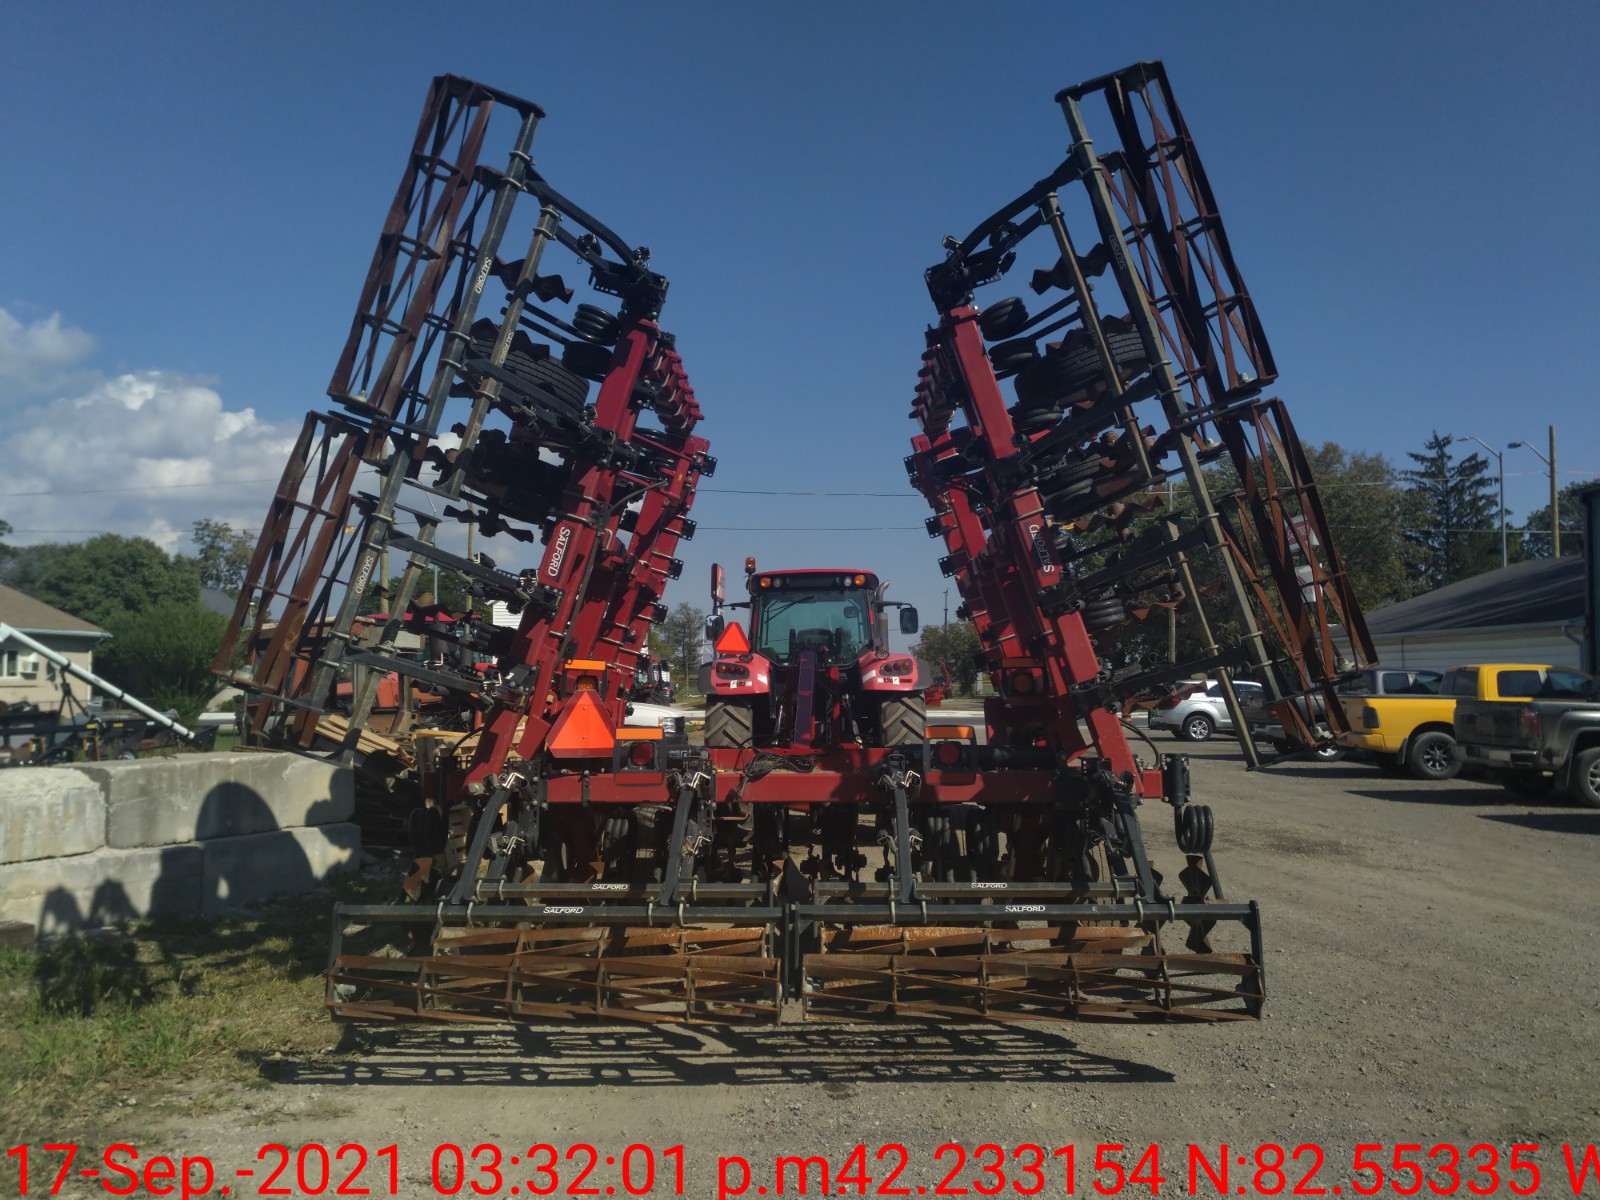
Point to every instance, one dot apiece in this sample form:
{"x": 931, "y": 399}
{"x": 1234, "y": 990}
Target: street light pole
{"x": 1500, "y": 466}
{"x": 1555, "y": 494}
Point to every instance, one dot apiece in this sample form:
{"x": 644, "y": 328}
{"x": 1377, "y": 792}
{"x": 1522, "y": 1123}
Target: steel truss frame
{"x": 418, "y": 357}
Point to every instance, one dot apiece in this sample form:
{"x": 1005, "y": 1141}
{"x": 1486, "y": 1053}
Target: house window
{"x": 10, "y": 664}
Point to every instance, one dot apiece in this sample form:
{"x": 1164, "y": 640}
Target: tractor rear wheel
{"x": 902, "y": 720}
{"x": 730, "y": 724}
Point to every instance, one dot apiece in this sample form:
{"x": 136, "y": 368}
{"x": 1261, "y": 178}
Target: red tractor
{"x": 815, "y": 670}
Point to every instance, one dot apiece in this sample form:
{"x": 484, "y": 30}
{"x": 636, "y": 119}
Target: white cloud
{"x": 36, "y": 357}
{"x": 145, "y": 453}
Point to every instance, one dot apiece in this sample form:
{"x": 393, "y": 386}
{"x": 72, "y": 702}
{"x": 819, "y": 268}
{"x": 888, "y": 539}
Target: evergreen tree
{"x": 1453, "y": 518}
{"x": 1536, "y": 539}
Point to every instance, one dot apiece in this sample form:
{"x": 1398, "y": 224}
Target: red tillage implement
{"x": 825, "y": 843}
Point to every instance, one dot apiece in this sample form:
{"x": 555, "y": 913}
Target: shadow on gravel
{"x": 826, "y": 1054}
{"x": 1587, "y": 821}
{"x": 1454, "y": 795}
{"x": 1331, "y": 772}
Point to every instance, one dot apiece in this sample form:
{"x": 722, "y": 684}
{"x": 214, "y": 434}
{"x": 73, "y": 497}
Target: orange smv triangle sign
{"x": 732, "y": 641}
{"x": 582, "y": 730}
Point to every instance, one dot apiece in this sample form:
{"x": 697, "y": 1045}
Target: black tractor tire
{"x": 1064, "y": 376}
{"x": 1072, "y": 502}
{"x": 1013, "y": 355}
{"x": 1584, "y": 785}
{"x": 1197, "y": 727}
{"x": 1431, "y": 755}
{"x": 1029, "y": 419}
{"x": 1068, "y": 469}
{"x": 596, "y": 324}
{"x": 902, "y": 720}
{"x": 538, "y": 372}
{"x": 730, "y": 724}
{"x": 1003, "y": 318}
{"x": 1103, "y": 613}
{"x": 586, "y": 359}
{"x": 1526, "y": 785}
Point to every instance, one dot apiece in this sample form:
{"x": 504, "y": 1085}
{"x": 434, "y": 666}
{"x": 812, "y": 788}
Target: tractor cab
{"x": 831, "y": 613}
{"x": 815, "y": 667}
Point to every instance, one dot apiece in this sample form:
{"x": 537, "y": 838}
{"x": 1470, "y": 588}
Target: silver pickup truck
{"x": 1540, "y": 745}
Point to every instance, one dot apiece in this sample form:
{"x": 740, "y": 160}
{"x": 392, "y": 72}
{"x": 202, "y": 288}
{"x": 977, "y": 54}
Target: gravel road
{"x": 1433, "y": 959}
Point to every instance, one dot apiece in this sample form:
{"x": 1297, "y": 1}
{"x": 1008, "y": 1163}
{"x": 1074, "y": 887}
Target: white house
{"x": 24, "y": 677}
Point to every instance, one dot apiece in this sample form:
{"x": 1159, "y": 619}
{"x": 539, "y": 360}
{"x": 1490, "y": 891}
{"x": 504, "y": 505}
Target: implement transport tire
{"x": 1003, "y": 318}
{"x": 1431, "y": 755}
{"x": 1013, "y": 355}
{"x": 730, "y": 724}
{"x": 530, "y": 363}
{"x": 903, "y": 719}
{"x": 586, "y": 359}
{"x": 596, "y": 324}
{"x": 1065, "y": 375}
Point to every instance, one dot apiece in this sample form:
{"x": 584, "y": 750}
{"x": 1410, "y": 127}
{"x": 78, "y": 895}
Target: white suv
{"x": 1195, "y": 716}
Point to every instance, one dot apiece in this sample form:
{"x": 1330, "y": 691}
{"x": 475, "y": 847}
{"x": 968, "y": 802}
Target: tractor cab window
{"x": 833, "y": 621}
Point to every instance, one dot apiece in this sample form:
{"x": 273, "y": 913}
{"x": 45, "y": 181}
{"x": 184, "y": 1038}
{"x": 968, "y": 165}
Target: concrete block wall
{"x": 193, "y": 835}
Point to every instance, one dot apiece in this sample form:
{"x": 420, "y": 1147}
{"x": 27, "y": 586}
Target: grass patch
{"x": 164, "y": 1014}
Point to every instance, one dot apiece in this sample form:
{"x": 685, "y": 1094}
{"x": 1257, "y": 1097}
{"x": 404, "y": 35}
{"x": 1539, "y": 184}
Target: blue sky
{"x": 190, "y": 195}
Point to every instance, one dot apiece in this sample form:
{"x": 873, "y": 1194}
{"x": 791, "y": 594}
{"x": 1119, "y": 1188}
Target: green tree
{"x": 452, "y": 594}
{"x": 222, "y": 554}
{"x": 956, "y": 646}
{"x": 1536, "y": 539}
{"x": 163, "y": 655}
{"x": 105, "y": 577}
{"x": 1453, "y": 520}
{"x": 1365, "y": 505}
{"x": 5, "y": 550}
{"x": 684, "y": 632}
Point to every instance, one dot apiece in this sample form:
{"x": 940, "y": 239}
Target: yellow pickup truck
{"x": 1406, "y": 718}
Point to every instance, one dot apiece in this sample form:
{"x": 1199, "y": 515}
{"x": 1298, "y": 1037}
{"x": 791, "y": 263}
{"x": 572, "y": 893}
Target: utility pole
{"x": 1555, "y": 501}
{"x": 1500, "y": 466}
{"x": 1555, "y": 493}
{"x": 947, "y": 606}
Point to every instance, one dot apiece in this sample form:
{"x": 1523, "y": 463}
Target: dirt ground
{"x": 1433, "y": 958}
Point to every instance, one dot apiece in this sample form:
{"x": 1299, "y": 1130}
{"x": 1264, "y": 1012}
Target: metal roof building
{"x": 1530, "y": 612}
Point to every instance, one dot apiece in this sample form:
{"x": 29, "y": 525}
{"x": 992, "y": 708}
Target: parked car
{"x": 1261, "y": 716}
{"x": 1533, "y": 747}
{"x": 1194, "y": 716}
{"x": 1416, "y": 728}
